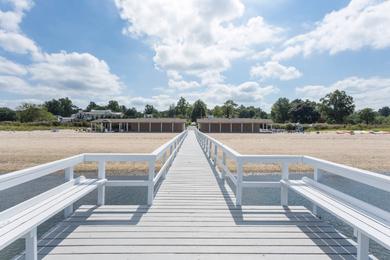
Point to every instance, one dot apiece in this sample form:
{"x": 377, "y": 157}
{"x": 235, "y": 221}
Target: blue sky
{"x": 154, "y": 51}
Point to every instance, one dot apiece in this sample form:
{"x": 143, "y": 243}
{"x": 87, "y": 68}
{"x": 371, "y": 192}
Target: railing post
{"x": 223, "y": 165}
{"x": 69, "y": 175}
{"x": 31, "y": 252}
{"x": 210, "y": 146}
{"x": 284, "y": 188}
{"x": 315, "y": 177}
{"x": 102, "y": 187}
{"x": 215, "y": 155}
{"x": 362, "y": 247}
{"x": 239, "y": 182}
{"x": 151, "y": 166}
{"x": 164, "y": 161}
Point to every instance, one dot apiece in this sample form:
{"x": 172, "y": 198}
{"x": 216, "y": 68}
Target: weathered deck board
{"x": 194, "y": 217}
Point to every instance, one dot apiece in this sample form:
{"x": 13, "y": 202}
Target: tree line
{"x": 335, "y": 108}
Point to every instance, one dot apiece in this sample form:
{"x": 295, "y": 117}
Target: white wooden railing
{"x": 165, "y": 153}
{"x": 211, "y": 147}
{"x": 218, "y": 153}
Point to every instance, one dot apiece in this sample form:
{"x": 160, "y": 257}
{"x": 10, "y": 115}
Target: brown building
{"x": 147, "y": 125}
{"x": 234, "y": 125}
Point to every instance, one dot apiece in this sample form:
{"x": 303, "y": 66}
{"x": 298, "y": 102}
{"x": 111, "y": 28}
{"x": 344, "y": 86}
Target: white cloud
{"x": 182, "y": 84}
{"x": 12, "y": 38}
{"x": 287, "y": 53}
{"x": 158, "y": 101}
{"x": 14, "y": 84}
{"x": 50, "y": 75}
{"x": 367, "y": 92}
{"x": 273, "y": 69}
{"x": 75, "y": 73}
{"x": 264, "y": 54}
{"x": 196, "y": 37}
{"x": 248, "y": 92}
{"x": 11, "y": 68}
{"x": 362, "y": 23}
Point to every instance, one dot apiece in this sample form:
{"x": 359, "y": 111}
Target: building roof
{"x": 141, "y": 120}
{"x": 234, "y": 120}
{"x": 102, "y": 112}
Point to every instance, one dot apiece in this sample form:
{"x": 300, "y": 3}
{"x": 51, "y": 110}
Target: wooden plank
{"x": 194, "y": 242}
{"x": 153, "y": 256}
{"x": 59, "y": 234}
{"x": 131, "y": 249}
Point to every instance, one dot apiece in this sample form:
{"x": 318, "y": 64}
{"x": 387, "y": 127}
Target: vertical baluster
{"x": 69, "y": 175}
{"x": 215, "y": 155}
{"x": 315, "y": 176}
{"x": 239, "y": 182}
{"x": 31, "y": 252}
{"x": 284, "y": 188}
{"x": 223, "y": 165}
{"x": 152, "y": 165}
{"x": 164, "y": 160}
{"x": 102, "y": 187}
{"x": 362, "y": 248}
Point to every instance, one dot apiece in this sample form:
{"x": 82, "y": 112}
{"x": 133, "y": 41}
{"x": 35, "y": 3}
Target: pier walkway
{"x": 193, "y": 216}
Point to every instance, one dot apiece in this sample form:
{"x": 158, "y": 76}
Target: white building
{"x": 96, "y": 114}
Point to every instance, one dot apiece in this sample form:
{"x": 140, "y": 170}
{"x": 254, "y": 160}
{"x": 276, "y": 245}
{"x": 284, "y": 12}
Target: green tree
{"x": 280, "y": 110}
{"x": 7, "y": 114}
{"x": 67, "y": 107}
{"x": 182, "y": 107}
{"x": 337, "y": 106}
{"x": 34, "y": 113}
{"x": 54, "y": 107}
{"x": 93, "y": 106}
{"x": 367, "y": 115}
{"x": 199, "y": 110}
{"x": 61, "y": 107}
{"x": 113, "y": 105}
{"x": 304, "y": 112}
{"x": 171, "y": 111}
{"x": 384, "y": 111}
{"x": 150, "y": 110}
{"x": 229, "y": 108}
{"x": 132, "y": 113}
{"x": 353, "y": 119}
{"x": 250, "y": 112}
{"x": 217, "y": 111}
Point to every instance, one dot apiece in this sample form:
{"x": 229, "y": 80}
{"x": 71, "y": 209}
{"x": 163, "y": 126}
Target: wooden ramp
{"x": 194, "y": 217}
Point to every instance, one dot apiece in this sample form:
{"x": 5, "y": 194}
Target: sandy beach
{"x": 365, "y": 151}
{"x": 19, "y": 150}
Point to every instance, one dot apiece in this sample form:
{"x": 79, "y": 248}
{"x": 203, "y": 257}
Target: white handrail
{"x": 12, "y": 179}
{"x": 376, "y": 180}
{"x": 18, "y": 177}
{"x": 379, "y": 181}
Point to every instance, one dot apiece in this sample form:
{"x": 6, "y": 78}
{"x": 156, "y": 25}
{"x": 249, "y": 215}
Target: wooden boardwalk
{"x": 194, "y": 217}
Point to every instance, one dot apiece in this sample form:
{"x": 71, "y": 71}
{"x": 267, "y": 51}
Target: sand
{"x": 19, "y": 150}
{"x": 365, "y": 151}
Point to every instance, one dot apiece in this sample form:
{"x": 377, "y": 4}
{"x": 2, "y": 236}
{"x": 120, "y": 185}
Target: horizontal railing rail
{"x": 211, "y": 148}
